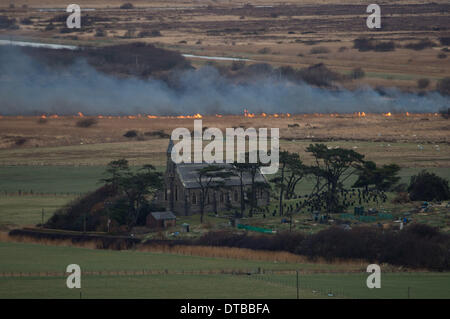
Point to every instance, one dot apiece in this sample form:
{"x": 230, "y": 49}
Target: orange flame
{"x": 387, "y": 114}
{"x": 247, "y": 114}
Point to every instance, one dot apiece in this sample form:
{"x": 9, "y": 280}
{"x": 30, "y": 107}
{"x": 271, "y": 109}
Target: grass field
{"x": 56, "y": 258}
{"x": 27, "y": 210}
{"x": 51, "y": 258}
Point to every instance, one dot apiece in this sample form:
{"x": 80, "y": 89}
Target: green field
{"x": 29, "y": 210}
{"x": 36, "y": 258}
{"x": 81, "y": 179}
{"x": 24, "y": 257}
{"x": 51, "y": 179}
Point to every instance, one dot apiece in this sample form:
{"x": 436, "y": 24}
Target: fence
{"x": 226, "y": 283}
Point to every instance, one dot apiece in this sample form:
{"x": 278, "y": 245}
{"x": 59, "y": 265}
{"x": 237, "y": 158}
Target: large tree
{"x": 134, "y": 186}
{"x": 116, "y": 170}
{"x": 291, "y": 172}
{"x": 428, "y": 186}
{"x": 380, "y": 178}
{"x": 332, "y": 166}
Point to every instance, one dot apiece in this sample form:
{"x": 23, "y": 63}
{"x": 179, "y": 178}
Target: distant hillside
{"x": 136, "y": 59}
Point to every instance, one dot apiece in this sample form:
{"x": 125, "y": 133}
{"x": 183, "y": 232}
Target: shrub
{"x": 127, "y": 6}
{"x": 287, "y": 72}
{"x": 87, "y": 208}
{"x": 237, "y": 65}
{"x": 50, "y": 27}
{"x": 318, "y": 75}
{"x": 442, "y": 56}
{"x": 417, "y": 246}
{"x": 365, "y": 44}
{"x": 420, "y": 45}
{"x": 86, "y": 122}
{"x": 155, "y": 33}
{"x": 428, "y": 186}
{"x": 357, "y": 73}
{"x": 319, "y": 50}
{"x": 423, "y": 83}
{"x": 384, "y": 46}
{"x": 284, "y": 241}
{"x": 131, "y": 133}
{"x": 264, "y": 51}
{"x": 26, "y": 21}
{"x": 144, "y": 34}
{"x": 100, "y": 32}
{"x": 444, "y": 40}
{"x": 6, "y": 23}
{"x": 20, "y": 141}
{"x": 443, "y": 86}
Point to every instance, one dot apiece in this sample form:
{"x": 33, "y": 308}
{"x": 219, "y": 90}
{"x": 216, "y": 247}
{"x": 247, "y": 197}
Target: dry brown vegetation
{"x": 61, "y": 142}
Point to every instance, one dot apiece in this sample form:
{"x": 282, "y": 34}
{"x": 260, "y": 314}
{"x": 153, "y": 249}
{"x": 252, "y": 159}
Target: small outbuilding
{"x": 161, "y": 219}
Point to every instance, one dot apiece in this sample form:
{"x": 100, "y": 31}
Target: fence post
{"x": 297, "y": 284}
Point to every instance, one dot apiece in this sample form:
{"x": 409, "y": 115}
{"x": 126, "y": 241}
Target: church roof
{"x": 188, "y": 175}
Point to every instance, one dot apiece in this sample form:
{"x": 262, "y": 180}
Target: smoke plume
{"x": 28, "y": 87}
